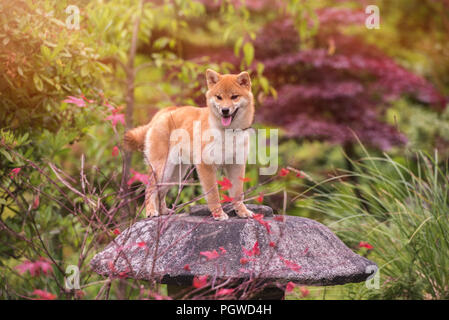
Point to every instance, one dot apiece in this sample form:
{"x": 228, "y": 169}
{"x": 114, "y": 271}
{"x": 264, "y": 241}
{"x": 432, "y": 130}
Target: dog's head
{"x": 230, "y": 99}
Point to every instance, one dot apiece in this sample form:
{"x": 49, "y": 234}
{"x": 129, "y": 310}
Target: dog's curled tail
{"x": 135, "y": 138}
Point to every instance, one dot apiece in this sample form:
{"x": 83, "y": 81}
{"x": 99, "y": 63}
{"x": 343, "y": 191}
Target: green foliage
{"x": 401, "y": 208}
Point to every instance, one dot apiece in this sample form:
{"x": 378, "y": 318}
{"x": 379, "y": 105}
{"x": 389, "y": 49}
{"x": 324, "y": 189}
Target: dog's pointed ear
{"x": 244, "y": 80}
{"x": 212, "y": 78}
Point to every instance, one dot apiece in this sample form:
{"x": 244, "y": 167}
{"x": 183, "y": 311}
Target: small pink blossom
{"x": 115, "y": 118}
{"x": 35, "y": 267}
{"x": 224, "y": 292}
{"x": 115, "y": 151}
{"x": 137, "y": 176}
{"x": 79, "y": 102}
{"x": 44, "y": 295}
{"x": 14, "y": 172}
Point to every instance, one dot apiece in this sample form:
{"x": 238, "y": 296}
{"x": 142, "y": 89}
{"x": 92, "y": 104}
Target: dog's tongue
{"x": 226, "y": 121}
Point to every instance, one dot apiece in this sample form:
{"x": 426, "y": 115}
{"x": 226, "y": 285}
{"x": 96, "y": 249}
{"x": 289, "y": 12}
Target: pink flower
{"x": 36, "y": 202}
{"x": 85, "y": 99}
{"x": 115, "y": 118}
{"x": 225, "y": 184}
{"x": 44, "y": 295}
{"x": 366, "y": 245}
{"x": 224, "y": 292}
{"x": 290, "y": 286}
{"x": 14, "y": 172}
{"x": 110, "y": 107}
{"x": 35, "y": 267}
{"x": 284, "y": 172}
{"x": 210, "y": 255}
{"x": 115, "y": 151}
{"x": 199, "y": 281}
{"x": 137, "y": 176}
{"x": 223, "y": 250}
{"x": 76, "y": 101}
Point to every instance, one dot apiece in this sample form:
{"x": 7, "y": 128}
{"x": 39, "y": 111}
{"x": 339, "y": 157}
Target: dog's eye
{"x": 219, "y": 97}
{"x": 233, "y": 97}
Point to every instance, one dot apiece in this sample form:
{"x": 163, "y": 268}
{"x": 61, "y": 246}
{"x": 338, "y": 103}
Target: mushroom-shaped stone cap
{"x": 175, "y": 248}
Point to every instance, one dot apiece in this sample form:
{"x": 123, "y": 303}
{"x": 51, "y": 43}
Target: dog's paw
{"x": 245, "y": 213}
{"x": 220, "y": 216}
{"x": 152, "y": 213}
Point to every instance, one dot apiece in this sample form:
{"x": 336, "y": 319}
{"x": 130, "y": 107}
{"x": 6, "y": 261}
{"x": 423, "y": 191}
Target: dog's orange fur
{"x": 224, "y": 91}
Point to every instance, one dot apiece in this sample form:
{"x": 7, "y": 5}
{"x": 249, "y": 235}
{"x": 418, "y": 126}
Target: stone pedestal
{"x": 272, "y": 249}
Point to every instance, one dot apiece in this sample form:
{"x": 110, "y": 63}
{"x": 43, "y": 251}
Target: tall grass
{"x": 400, "y": 207}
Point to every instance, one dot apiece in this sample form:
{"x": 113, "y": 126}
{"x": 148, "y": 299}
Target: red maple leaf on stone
{"x": 141, "y": 244}
{"x": 255, "y": 251}
{"x": 210, "y": 255}
{"x": 290, "y": 264}
{"x": 187, "y": 267}
{"x": 259, "y": 218}
{"x": 199, "y": 281}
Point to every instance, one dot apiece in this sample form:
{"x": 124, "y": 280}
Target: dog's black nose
{"x": 225, "y": 111}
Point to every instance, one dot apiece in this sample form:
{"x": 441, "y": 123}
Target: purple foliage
{"x": 339, "y": 87}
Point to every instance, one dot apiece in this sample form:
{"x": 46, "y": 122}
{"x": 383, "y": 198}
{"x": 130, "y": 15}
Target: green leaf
{"x": 38, "y": 82}
{"x": 248, "y": 52}
{"x": 6, "y": 154}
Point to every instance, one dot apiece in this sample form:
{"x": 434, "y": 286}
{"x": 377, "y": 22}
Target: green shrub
{"x": 400, "y": 207}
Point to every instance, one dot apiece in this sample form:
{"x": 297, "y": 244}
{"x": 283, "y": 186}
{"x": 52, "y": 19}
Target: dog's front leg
{"x": 208, "y": 179}
{"x": 236, "y": 172}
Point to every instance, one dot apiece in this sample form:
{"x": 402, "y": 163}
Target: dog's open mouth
{"x": 226, "y": 121}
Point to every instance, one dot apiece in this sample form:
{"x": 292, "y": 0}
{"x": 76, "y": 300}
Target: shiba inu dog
{"x": 230, "y": 108}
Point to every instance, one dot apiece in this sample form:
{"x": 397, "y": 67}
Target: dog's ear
{"x": 212, "y": 78}
{"x": 244, "y": 80}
